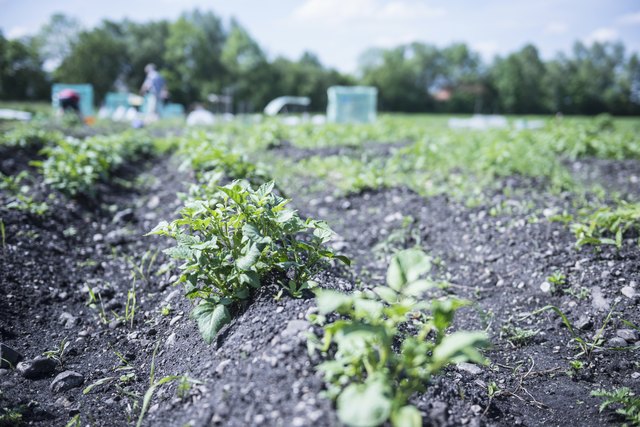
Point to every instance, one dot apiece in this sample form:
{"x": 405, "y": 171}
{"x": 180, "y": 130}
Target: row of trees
{"x": 199, "y": 55}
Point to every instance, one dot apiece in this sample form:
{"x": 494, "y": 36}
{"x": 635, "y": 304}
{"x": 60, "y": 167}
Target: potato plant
{"x": 387, "y": 342}
{"x": 74, "y": 166}
{"x": 607, "y": 226}
{"x": 229, "y": 242}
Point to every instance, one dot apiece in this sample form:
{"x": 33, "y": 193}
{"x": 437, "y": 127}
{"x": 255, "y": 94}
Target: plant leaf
{"x": 211, "y": 318}
{"x": 329, "y": 301}
{"x": 406, "y": 267}
{"x": 407, "y": 416}
{"x": 365, "y": 405}
{"x": 249, "y": 259}
{"x": 460, "y": 347}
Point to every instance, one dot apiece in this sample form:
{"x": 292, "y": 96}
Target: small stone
{"x": 9, "y": 358}
{"x": 598, "y": 300}
{"x": 221, "y": 366}
{"x": 125, "y": 215}
{"x": 66, "y": 381}
{"x": 39, "y": 367}
{"x": 153, "y": 202}
{"x": 174, "y": 320}
{"x": 294, "y": 327}
{"x": 628, "y": 335}
{"x": 171, "y": 340}
{"x": 470, "y": 368}
{"x": 584, "y": 322}
{"x": 118, "y": 237}
{"x": 628, "y": 292}
{"x": 63, "y": 402}
{"x": 476, "y": 409}
{"x": 258, "y": 419}
{"x": 4, "y": 372}
{"x": 280, "y": 309}
{"x": 98, "y": 237}
{"x": 67, "y": 320}
{"x": 84, "y": 333}
{"x": 545, "y": 287}
{"x": 438, "y": 413}
{"x": 298, "y": 422}
{"x": 635, "y": 375}
{"x": 617, "y": 342}
{"x": 114, "y": 324}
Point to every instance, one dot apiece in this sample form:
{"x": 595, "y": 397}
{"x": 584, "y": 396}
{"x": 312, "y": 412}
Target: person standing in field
{"x": 154, "y": 85}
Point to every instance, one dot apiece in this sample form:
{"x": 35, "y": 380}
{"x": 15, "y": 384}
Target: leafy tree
{"x": 55, "y": 39}
{"x": 146, "y": 43}
{"x": 519, "y": 80}
{"x": 21, "y": 75}
{"x": 192, "y": 56}
{"x": 97, "y": 57}
{"x": 246, "y": 68}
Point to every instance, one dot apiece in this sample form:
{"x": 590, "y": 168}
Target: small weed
{"x": 575, "y": 366}
{"x": 584, "y": 344}
{"x": 130, "y": 307}
{"x": 59, "y": 353}
{"x": 626, "y": 401}
{"x": 95, "y": 303}
{"x": 75, "y": 421}
{"x": 580, "y": 293}
{"x": 557, "y": 279}
{"x": 184, "y": 386}
{"x": 3, "y": 234}
{"x": 518, "y": 336}
{"x": 10, "y": 417}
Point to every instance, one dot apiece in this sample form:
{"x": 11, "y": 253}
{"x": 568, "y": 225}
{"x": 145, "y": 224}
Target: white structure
{"x": 352, "y": 104}
{"x": 276, "y": 105}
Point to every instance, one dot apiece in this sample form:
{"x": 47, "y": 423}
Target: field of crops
{"x": 399, "y": 273}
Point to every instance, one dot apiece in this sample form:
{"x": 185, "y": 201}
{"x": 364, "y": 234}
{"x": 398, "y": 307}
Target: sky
{"x": 338, "y": 31}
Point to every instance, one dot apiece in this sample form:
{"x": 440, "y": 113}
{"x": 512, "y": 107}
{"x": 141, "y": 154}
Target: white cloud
{"x": 17, "y": 32}
{"x": 350, "y": 11}
{"x": 601, "y": 35}
{"x": 630, "y": 19}
{"x": 555, "y": 28}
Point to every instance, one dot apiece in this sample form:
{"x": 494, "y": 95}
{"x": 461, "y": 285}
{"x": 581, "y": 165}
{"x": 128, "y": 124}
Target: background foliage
{"x": 199, "y": 54}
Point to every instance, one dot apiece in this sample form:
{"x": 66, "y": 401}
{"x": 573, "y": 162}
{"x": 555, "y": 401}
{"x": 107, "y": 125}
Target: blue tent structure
{"x": 85, "y": 91}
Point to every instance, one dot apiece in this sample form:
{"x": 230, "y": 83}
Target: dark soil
{"x": 258, "y": 371}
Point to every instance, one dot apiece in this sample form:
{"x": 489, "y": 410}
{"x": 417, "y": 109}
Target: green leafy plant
{"x": 607, "y": 226}
{"x": 387, "y": 343}
{"x": 229, "y": 242}
{"x": 518, "y": 336}
{"x": 19, "y": 197}
{"x": 29, "y": 136}
{"x": 11, "y": 417}
{"x": 74, "y": 166}
{"x": 628, "y": 404}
